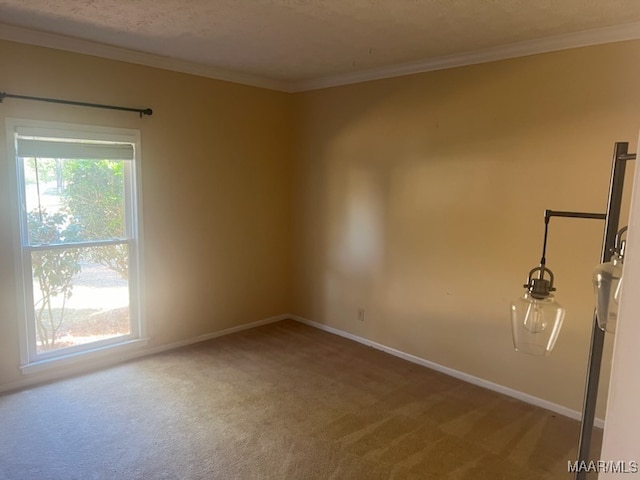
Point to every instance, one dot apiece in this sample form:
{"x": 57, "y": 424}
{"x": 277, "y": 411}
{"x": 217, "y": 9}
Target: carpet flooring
{"x": 281, "y": 401}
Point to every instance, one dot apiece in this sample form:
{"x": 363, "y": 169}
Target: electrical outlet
{"x": 361, "y": 314}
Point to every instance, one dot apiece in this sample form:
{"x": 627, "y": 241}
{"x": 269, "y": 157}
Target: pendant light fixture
{"x": 607, "y": 283}
{"x": 536, "y": 317}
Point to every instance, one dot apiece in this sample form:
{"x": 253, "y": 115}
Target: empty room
{"x": 319, "y": 240}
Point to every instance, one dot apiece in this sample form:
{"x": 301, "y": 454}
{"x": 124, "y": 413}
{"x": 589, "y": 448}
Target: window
{"x": 77, "y": 239}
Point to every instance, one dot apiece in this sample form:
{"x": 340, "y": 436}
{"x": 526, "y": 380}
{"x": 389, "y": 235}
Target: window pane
{"x": 81, "y": 295}
{"x": 74, "y": 200}
{"x": 78, "y": 223}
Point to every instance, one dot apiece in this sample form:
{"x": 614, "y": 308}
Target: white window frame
{"x": 30, "y": 360}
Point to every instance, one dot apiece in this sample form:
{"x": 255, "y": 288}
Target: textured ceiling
{"x": 302, "y": 40}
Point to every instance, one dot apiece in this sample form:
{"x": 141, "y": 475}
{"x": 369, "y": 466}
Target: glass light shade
{"x": 536, "y": 323}
{"x": 607, "y": 283}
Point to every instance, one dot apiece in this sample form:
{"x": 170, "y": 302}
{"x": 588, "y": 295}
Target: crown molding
{"x": 619, "y": 33}
{"x": 13, "y": 33}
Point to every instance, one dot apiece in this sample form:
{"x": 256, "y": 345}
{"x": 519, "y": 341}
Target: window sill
{"x": 94, "y": 357}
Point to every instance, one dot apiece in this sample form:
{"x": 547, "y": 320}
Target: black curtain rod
{"x": 141, "y": 111}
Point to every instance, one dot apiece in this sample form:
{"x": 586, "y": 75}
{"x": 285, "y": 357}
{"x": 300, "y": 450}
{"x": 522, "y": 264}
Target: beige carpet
{"x": 283, "y": 401}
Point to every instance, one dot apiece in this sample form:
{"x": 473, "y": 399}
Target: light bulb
{"x": 536, "y": 323}
{"x": 534, "y": 318}
{"x": 616, "y": 296}
{"x": 607, "y": 282}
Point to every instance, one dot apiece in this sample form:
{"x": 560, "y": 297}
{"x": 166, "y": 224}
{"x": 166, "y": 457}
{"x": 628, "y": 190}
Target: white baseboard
{"x": 212, "y": 335}
{"x": 525, "y": 397}
{"x": 111, "y": 360}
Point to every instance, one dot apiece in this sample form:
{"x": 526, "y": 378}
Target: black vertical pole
{"x": 597, "y": 336}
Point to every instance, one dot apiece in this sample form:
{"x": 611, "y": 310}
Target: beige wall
{"x": 421, "y": 199}
{"x": 418, "y": 198}
{"x": 216, "y": 188}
